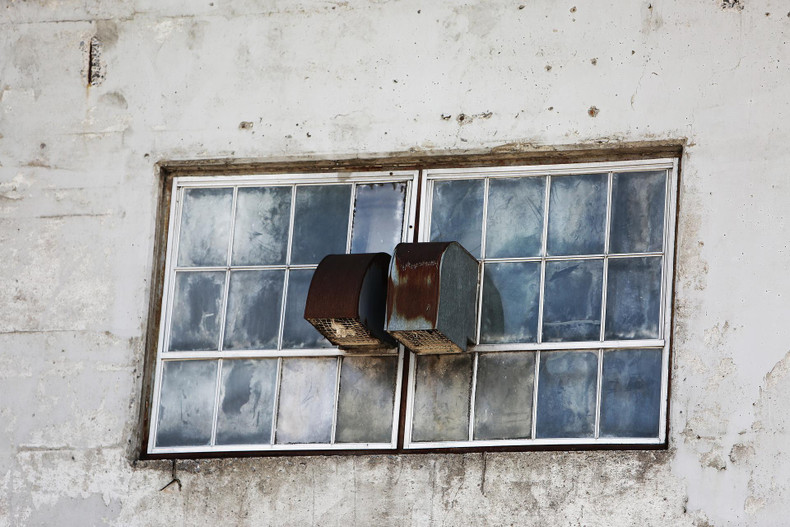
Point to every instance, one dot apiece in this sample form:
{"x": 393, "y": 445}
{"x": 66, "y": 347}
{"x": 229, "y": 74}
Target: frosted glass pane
{"x": 186, "y": 403}
{"x": 366, "y": 398}
{"x": 515, "y": 217}
{"x": 205, "y": 227}
{"x": 441, "y": 397}
{"x": 320, "y": 222}
{"x": 638, "y": 212}
{"x": 307, "y": 400}
{"x": 633, "y": 298}
{"x": 577, "y": 214}
{"x": 566, "y": 394}
{"x": 246, "y": 401}
{"x": 254, "y": 302}
{"x": 631, "y": 393}
{"x": 197, "y": 307}
{"x": 457, "y": 213}
{"x": 263, "y": 216}
{"x": 299, "y": 333}
{"x": 572, "y": 305}
{"x": 503, "y": 400}
{"x": 378, "y": 217}
{"x": 511, "y": 293}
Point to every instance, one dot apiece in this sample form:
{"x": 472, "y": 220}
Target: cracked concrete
{"x": 323, "y": 79}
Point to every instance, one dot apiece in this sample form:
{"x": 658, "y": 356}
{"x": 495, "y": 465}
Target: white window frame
{"x": 422, "y": 180}
{"x": 663, "y": 342}
{"x": 179, "y": 184}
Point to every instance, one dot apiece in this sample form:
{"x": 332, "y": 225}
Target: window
{"x": 572, "y": 311}
{"x": 572, "y": 328}
{"x": 238, "y": 366}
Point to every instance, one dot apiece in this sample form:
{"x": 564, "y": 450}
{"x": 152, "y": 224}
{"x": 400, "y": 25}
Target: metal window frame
{"x": 294, "y": 180}
{"x": 501, "y": 159}
{"x": 671, "y": 165}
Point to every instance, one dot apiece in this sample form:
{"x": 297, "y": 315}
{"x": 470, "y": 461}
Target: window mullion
{"x": 535, "y": 381}
{"x": 276, "y": 402}
{"x": 349, "y": 232}
{"x": 598, "y": 388}
{"x": 398, "y": 406}
{"x": 473, "y": 398}
{"x": 544, "y": 244}
{"x": 485, "y": 219}
{"x": 607, "y": 230}
{"x": 224, "y": 313}
{"x": 289, "y": 247}
{"x": 339, "y": 363}
{"x": 480, "y": 288}
{"x": 412, "y": 373}
{"x": 216, "y": 404}
{"x": 481, "y": 272}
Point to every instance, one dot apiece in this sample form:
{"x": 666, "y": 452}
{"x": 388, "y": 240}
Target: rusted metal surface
{"x": 346, "y": 299}
{"x": 431, "y": 297}
{"x": 413, "y": 287}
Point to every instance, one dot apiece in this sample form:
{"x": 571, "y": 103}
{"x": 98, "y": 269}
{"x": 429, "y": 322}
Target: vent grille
{"x": 346, "y": 332}
{"x": 426, "y": 341}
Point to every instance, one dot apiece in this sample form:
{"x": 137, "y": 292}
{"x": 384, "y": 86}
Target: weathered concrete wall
{"x": 175, "y": 80}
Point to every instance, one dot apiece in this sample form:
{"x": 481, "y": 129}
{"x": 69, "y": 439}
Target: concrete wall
{"x": 176, "y": 80}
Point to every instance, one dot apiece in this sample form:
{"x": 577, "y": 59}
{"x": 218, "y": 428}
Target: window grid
{"x": 533, "y": 440}
{"x": 219, "y": 355}
{"x": 670, "y": 169}
{"x": 537, "y": 347}
{"x": 544, "y": 258}
{"x": 288, "y": 266}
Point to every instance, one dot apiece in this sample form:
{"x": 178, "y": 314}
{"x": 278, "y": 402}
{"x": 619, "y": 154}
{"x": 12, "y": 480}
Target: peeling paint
{"x": 732, "y": 4}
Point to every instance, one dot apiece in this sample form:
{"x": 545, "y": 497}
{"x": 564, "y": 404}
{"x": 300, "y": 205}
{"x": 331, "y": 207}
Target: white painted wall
{"x": 325, "y": 79}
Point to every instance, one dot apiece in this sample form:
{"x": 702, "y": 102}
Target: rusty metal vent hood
{"x": 346, "y": 300}
{"x": 431, "y": 297}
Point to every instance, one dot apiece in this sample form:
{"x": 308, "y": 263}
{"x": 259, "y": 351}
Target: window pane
{"x": 263, "y": 216}
{"x": 366, "y": 398}
{"x": 205, "y": 227}
{"x": 297, "y": 332}
{"x": 457, "y": 213}
{"x": 566, "y": 394}
{"x": 515, "y": 217}
{"x": 186, "y": 403}
{"x": 503, "y": 398}
{"x": 572, "y": 305}
{"x": 378, "y": 217}
{"x": 631, "y": 393}
{"x": 511, "y": 293}
{"x": 246, "y": 401}
{"x": 633, "y": 298}
{"x": 254, "y": 302}
{"x": 638, "y": 212}
{"x": 577, "y": 214}
{"x": 320, "y": 222}
{"x": 197, "y": 306}
{"x": 307, "y": 400}
{"x": 441, "y": 397}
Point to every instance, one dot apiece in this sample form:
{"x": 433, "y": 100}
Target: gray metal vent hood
{"x": 431, "y": 297}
